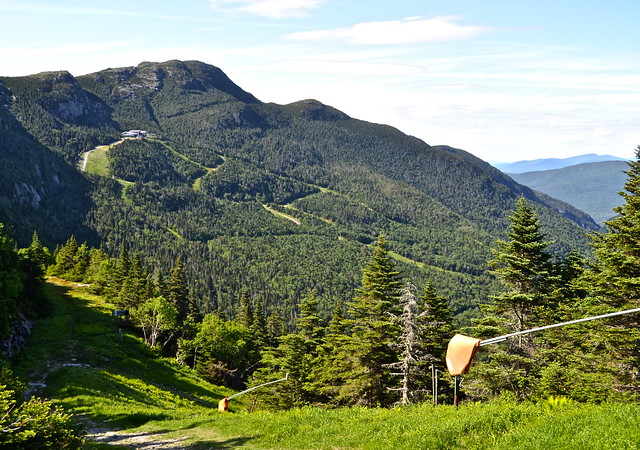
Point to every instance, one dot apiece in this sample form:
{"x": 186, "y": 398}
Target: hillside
{"x": 537, "y": 165}
{"x": 591, "y": 187}
{"x": 124, "y": 394}
{"x": 273, "y": 199}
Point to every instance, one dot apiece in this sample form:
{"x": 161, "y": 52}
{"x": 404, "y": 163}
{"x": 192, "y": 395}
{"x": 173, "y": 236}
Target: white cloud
{"x": 274, "y": 9}
{"x": 408, "y": 31}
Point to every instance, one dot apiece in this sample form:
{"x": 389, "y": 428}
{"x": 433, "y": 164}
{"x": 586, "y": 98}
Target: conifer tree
{"x": 522, "y": 264}
{"x": 436, "y": 323}
{"x": 334, "y": 361}
{"x": 81, "y": 265}
{"x": 65, "y": 258}
{"x": 134, "y": 291}
{"x": 296, "y": 355}
{"x": 614, "y": 284}
{"x": 34, "y": 261}
{"x": 123, "y": 265}
{"x": 259, "y": 326}
{"x": 245, "y": 310}
{"x": 373, "y": 330}
{"x": 275, "y": 328}
{"x": 177, "y": 290}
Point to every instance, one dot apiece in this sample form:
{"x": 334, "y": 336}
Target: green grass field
{"x": 98, "y": 162}
{"x": 147, "y": 401}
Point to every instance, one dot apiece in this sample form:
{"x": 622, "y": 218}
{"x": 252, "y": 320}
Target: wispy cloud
{"x": 414, "y": 30}
{"x": 274, "y": 9}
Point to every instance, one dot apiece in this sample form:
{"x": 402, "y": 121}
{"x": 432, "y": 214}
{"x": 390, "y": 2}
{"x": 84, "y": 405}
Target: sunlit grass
{"x": 98, "y": 162}
{"x": 127, "y": 386}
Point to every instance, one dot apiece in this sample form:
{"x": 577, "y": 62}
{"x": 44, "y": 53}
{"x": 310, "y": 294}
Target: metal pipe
{"x": 602, "y": 316}
{"x": 256, "y": 387}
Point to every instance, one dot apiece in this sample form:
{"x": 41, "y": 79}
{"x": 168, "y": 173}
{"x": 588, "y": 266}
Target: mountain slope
{"x": 537, "y": 165}
{"x": 591, "y": 187}
{"x": 209, "y": 186}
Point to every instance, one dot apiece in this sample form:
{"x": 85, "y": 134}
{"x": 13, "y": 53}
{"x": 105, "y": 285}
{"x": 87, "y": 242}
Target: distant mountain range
{"x": 591, "y": 187}
{"x": 274, "y": 200}
{"x": 552, "y": 163}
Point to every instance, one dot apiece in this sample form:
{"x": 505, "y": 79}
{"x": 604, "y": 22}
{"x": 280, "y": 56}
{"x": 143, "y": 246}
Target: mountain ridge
{"x": 535, "y": 165}
{"x": 578, "y": 185}
{"x": 441, "y": 207}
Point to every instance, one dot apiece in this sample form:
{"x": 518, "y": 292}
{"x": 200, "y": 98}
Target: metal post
{"x": 455, "y": 390}
{"x": 433, "y": 383}
{"x": 436, "y": 387}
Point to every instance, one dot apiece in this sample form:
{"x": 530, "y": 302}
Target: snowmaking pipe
{"x": 223, "y": 405}
{"x": 462, "y": 349}
{"x": 495, "y": 340}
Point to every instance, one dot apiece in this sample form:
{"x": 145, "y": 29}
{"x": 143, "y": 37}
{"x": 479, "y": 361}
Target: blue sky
{"x": 504, "y": 80}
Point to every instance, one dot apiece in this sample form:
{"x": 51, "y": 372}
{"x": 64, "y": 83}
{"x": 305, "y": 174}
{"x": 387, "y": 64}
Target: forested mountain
{"x": 275, "y": 200}
{"x": 591, "y": 187}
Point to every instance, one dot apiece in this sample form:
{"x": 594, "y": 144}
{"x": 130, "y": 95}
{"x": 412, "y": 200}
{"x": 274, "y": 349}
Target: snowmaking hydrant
{"x": 223, "y": 405}
{"x": 462, "y": 349}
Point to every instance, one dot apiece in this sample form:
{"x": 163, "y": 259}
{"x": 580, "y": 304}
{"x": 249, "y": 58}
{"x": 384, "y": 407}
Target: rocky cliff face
{"x": 18, "y": 338}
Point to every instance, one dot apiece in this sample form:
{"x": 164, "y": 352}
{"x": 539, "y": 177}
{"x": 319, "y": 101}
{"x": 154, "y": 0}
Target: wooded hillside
{"x": 276, "y": 200}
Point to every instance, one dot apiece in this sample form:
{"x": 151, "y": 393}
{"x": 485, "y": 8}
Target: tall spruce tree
{"x": 523, "y": 265}
{"x": 334, "y": 362}
{"x": 614, "y": 284}
{"x": 177, "y": 290}
{"x": 373, "y": 330}
{"x": 296, "y": 355}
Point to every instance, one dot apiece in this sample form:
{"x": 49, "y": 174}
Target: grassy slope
{"x": 125, "y": 386}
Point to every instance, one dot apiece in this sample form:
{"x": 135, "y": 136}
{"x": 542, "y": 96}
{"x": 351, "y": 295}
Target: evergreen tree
{"x": 258, "y": 327}
{"x": 245, "y": 310}
{"x": 334, "y": 361}
{"x": 373, "y": 330}
{"x": 177, "y": 290}
{"x": 123, "y": 266}
{"x": 614, "y": 284}
{"x": 522, "y": 264}
{"x": 82, "y": 259}
{"x": 275, "y": 328}
{"x": 33, "y": 262}
{"x": 296, "y": 355}
{"x": 11, "y": 281}
{"x": 134, "y": 289}
{"x": 65, "y": 258}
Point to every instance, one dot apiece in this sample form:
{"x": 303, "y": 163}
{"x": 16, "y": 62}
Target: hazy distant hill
{"x": 552, "y": 163}
{"x": 591, "y": 187}
{"x": 276, "y": 200}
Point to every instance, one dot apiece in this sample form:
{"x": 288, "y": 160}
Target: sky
{"x": 504, "y": 80}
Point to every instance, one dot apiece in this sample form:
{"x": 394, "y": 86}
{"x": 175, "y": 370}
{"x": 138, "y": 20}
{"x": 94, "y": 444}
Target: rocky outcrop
{"x": 18, "y": 338}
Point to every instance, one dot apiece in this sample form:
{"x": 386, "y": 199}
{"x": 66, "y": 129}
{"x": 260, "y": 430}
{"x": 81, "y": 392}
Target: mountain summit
{"x": 276, "y": 200}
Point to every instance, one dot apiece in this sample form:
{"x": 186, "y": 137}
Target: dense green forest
{"x": 379, "y": 348}
{"x": 272, "y": 200}
{"x": 247, "y": 241}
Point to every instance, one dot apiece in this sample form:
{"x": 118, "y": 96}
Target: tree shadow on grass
{"x": 227, "y": 443}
